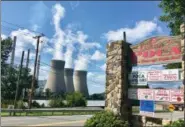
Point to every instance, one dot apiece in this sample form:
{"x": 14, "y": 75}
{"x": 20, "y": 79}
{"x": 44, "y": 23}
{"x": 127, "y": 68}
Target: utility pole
{"x": 13, "y": 51}
{"x": 38, "y": 67}
{"x": 34, "y": 72}
{"x": 27, "y": 64}
{"x": 18, "y": 81}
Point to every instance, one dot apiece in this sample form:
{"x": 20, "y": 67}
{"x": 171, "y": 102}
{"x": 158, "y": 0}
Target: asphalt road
{"x": 66, "y": 121}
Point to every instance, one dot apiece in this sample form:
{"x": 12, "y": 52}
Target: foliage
{"x": 105, "y": 119}
{"x": 173, "y": 66}
{"x": 56, "y": 103}
{"x": 35, "y": 104}
{"x": 5, "y": 103}
{"x": 178, "y": 123}
{"x": 48, "y": 93}
{"x": 76, "y": 99}
{"x": 97, "y": 96}
{"x": 174, "y": 10}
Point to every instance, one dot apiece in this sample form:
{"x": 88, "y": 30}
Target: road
{"x": 65, "y": 121}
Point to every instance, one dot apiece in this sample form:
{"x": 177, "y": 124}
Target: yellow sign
{"x": 171, "y": 108}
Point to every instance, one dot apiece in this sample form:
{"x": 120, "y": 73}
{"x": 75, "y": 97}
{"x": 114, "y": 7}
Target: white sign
{"x": 170, "y": 75}
{"x": 133, "y": 94}
{"x": 138, "y": 78}
{"x": 162, "y": 95}
{"x": 176, "y": 96}
{"x": 163, "y": 75}
{"x": 145, "y": 94}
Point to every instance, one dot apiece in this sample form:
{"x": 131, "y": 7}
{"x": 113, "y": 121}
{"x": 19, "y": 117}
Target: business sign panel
{"x": 138, "y": 78}
{"x": 133, "y": 94}
{"x": 145, "y": 94}
{"x": 147, "y": 107}
{"x": 157, "y": 50}
{"x": 162, "y": 95}
{"x": 177, "y": 96}
{"x": 163, "y": 75}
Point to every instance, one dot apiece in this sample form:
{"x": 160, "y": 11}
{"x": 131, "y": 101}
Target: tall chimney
{"x": 55, "y": 80}
{"x": 80, "y": 82}
{"x": 68, "y": 78}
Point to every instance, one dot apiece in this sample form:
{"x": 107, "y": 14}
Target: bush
{"x": 178, "y": 123}
{"x": 20, "y": 104}
{"x": 75, "y": 99}
{"x": 56, "y": 103}
{"x": 35, "y": 104}
{"x": 5, "y": 103}
{"x": 105, "y": 119}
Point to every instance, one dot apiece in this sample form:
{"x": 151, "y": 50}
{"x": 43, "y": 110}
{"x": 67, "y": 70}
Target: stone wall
{"x": 116, "y": 79}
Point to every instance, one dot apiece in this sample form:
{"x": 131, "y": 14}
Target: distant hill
{"x": 97, "y": 96}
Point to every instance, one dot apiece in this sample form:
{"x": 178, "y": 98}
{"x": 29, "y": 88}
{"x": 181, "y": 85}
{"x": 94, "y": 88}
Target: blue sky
{"x": 80, "y": 30}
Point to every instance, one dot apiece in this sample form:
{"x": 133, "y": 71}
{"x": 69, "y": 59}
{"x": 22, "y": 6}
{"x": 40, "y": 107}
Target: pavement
{"x": 62, "y": 121}
{"x": 68, "y": 121}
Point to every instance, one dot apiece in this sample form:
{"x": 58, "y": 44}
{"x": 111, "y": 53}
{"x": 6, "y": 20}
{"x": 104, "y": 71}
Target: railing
{"x": 52, "y": 110}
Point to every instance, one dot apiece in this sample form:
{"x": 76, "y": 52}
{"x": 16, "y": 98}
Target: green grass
{"x": 3, "y": 114}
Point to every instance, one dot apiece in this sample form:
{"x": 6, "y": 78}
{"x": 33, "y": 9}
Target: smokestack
{"x": 68, "y": 78}
{"x": 55, "y": 80}
{"x": 80, "y": 82}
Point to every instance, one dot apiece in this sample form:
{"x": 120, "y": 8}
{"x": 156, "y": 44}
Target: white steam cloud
{"x": 58, "y": 14}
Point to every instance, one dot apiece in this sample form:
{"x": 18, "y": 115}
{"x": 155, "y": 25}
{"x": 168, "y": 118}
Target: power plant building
{"x": 68, "y": 78}
{"x": 55, "y": 80}
{"x": 80, "y": 82}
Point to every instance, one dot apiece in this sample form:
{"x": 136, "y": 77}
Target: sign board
{"x": 147, "y": 107}
{"x": 133, "y": 94}
{"x": 176, "y": 96}
{"x": 157, "y": 50}
{"x": 163, "y": 75}
{"x": 162, "y": 95}
{"x": 138, "y": 78}
{"x": 145, "y": 94}
{"x": 171, "y": 108}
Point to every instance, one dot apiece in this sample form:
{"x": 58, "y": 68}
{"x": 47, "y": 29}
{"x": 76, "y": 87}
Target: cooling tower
{"x": 68, "y": 78}
{"x": 55, "y": 80}
{"x": 80, "y": 82}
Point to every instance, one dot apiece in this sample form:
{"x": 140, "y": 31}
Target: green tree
{"x": 76, "y": 99}
{"x": 174, "y": 11}
{"x": 48, "y": 93}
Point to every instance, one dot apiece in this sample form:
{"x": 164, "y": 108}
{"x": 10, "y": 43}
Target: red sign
{"x": 157, "y": 50}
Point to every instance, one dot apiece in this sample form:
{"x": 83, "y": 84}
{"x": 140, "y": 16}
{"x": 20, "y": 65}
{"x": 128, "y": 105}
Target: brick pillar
{"x": 117, "y": 79}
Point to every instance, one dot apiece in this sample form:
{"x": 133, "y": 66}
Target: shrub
{"x": 178, "y": 123}
{"x": 105, "y": 119}
{"x": 35, "y": 104}
{"x": 75, "y": 99}
{"x": 5, "y": 103}
{"x": 56, "y": 103}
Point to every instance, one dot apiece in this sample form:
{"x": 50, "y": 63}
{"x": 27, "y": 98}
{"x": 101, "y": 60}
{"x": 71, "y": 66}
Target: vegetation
{"x": 97, "y": 96}
{"x": 75, "y": 99}
{"x": 178, "y": 123}
{"x": 56, "y": 103}
{"x": 105, "y": 119}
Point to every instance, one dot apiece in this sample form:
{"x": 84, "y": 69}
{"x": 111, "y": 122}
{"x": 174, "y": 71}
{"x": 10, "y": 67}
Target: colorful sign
{"x": 163, "y": 75}
{"x": 158, "y": 50}
{"x": 133, "y": 94}
{"x": 145, "y": 94}
{"x": 138, "y": 78}
{"x": 147, "y": 107}
{"x": 176, "y": 96}
{"x": 162, "y": 95}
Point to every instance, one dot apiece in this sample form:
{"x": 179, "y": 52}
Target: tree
{"x": 48, "y": 93}
{"x": 174, "y": 11}
{"x": 76, "y": 99}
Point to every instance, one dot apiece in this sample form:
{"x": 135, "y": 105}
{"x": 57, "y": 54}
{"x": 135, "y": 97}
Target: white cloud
{"x": 98, "y": 55}
{"x": 3, "y": 36}
{"x": 141, "y": 30}
{"x": 103, "y": 67}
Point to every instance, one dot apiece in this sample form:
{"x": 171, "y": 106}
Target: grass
{"x": 3, "y": 114}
